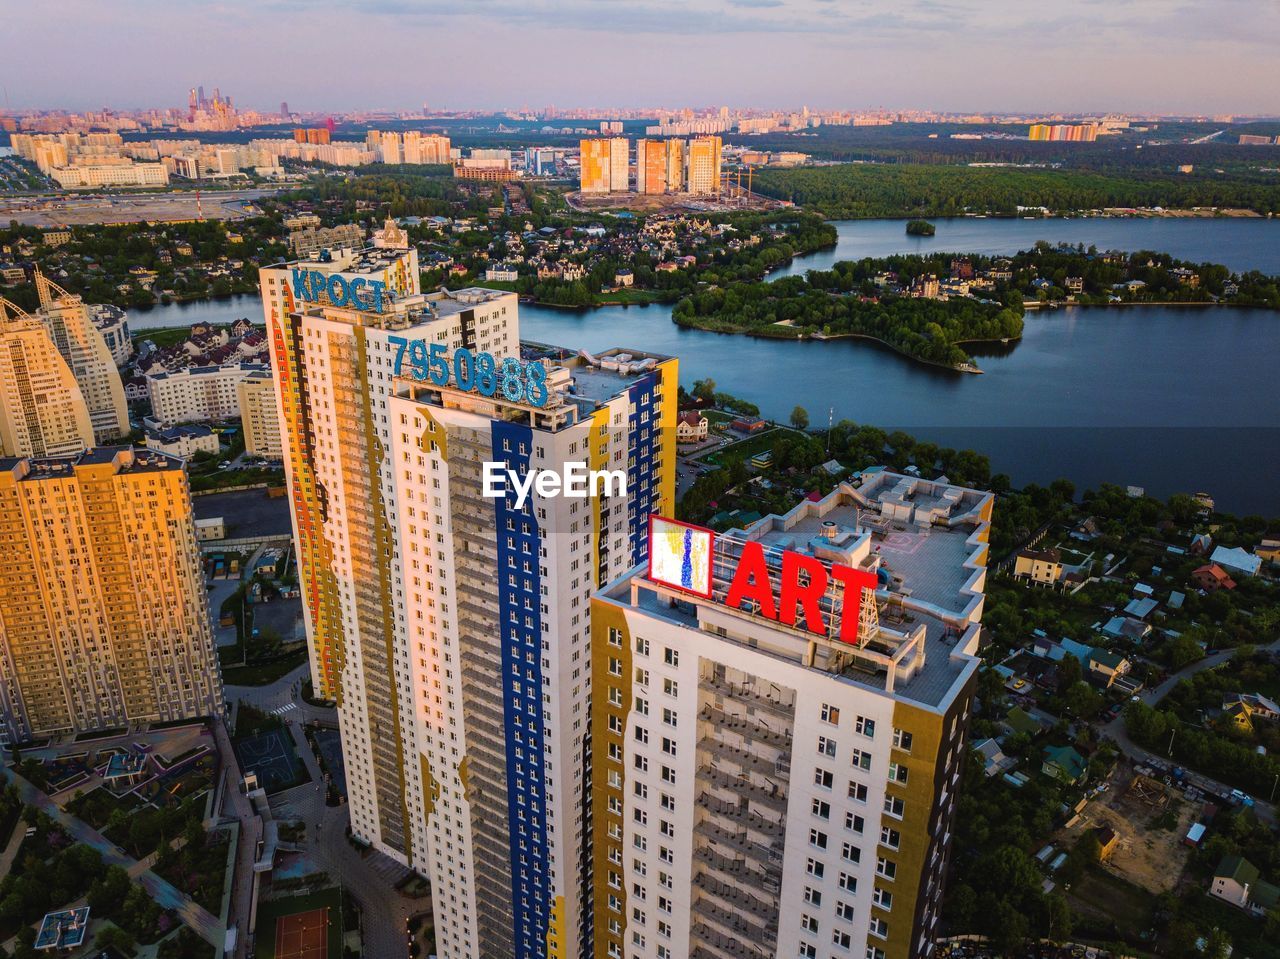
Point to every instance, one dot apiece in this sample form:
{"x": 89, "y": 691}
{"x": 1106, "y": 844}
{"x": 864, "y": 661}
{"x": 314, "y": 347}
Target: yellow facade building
{"x": 675, "y": 165}
{"x": 42, "y": 412}
{"x": 704, "y": 165}
{"x": 86, "y": 353}
{"x": 103, "y": 615}
{"x": 260, "y": 415}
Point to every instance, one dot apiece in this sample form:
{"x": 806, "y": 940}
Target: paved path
{"x": 199, "y": 919}
{"x": 369, "y": 877}
{"x": 236, "y": 805}
{"x": 10, "y": 852}
{"x": 1119, "y": 734}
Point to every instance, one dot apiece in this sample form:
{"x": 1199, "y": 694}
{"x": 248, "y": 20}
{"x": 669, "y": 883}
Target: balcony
{"x": 750, "y": 727}
{"x": 729, "y": 945}
{"x": 771, "y": 795}
{"x": 768, "y": 856}
{"x": 734, "y": 922}
{"x": 730, "y": 893}
{"x": 746, "y": 759}
{"x": 746, "y": 817}
{"x": 747, "y": 694}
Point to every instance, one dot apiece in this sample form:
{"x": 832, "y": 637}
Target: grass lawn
{"x": 269, "y": 910}
{"x": 718, "y": 416}
{"x": 1112, "y": 908}
{"x": 263, "y": 673}
{"x": 163, "y": 337}
{"x": 749, "y": 447}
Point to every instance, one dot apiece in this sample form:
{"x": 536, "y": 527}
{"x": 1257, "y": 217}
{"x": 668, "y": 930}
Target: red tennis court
{"x": 304, "y": 935}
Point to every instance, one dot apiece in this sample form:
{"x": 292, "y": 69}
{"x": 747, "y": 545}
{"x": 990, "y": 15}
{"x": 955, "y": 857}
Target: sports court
{"x": 303, "y": 935}
{"x": 272, "y": 756}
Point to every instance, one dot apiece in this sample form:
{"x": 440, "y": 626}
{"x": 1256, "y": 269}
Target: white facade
{"x": 199, "y": 394}
{"x": 505, "y": 594}
{"x": 85, "y": 350}
{"x": 111, "y": 174}
{"x": 763, "y": 791}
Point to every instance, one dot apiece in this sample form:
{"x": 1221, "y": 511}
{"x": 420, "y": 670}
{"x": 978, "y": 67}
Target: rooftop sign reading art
{"x": 680, "y": 556}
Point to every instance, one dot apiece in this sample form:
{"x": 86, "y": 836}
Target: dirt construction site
{"x": 1149, "y": 819}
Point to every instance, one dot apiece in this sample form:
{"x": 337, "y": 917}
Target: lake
{"x": 1171, "y": 399}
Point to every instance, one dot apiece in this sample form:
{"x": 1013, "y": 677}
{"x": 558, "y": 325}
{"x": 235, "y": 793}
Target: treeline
{"x": 717, "y": 264}
{"x": 402, "y": 191}
{"x": 98, "y": 258}
{"x": 890, "y": 190}
{"x": 1235, "y": 763}
{"x": 925, "y": 329}
{"x": 1101, "y": 273}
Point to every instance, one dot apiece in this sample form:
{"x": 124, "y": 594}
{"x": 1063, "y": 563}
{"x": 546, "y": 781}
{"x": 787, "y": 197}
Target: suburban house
{"x": 1237, "y": 559}
{"x": 1018, "y": 720}
{"x": 1268, "y": 551}
{"x": 1244, "y": 708}
{"x": 994, "y": 761}
{"x": 1064, "y": 764}
{"x": 1237, "y": 881}
{"x": 1107, "y": 666}
{"x": 1212, "y": 577}
{"x": 749, "y": 424}
{"x": 691, "y": 427}
{"x": 1038, "y": 565}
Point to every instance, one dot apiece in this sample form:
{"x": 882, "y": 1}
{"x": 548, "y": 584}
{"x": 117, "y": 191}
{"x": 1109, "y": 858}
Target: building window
{"x": 894, "y": 806}
{"x": 812, "y": 896}
{"x": 882, "y": 898}
{"x": 857, "y": 792}
{"x": 850, "y": 852}
{"x": 878, "y": 927}
{"x": 842, "y": 939}
{"x": 814, "y": 868}
{"x": 862, "y": 759}
{"x": 808, "y": 923}
{"x": 865, "y": 726}
{"x": 902, "y": 740}
{"x": 830, "y": 714}
{"x": 821, "y": 809}
{"x": 890, "y": 837}
{"x": 823, "y": 778}
{"x": 807, "y": 951}
{"x": 671, "y": 656}
{"x": 897, "y": 773}
{"x": 886, "y": 868}
{"x": 848, "y": 883}
{"x": 817, "y": 838}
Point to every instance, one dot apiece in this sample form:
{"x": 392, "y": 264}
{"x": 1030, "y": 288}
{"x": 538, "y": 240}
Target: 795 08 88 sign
{"x": 515, "y": 381}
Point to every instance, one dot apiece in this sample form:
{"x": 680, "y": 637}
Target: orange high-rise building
{"x": 104, "y": 618}
{"x": 651, "y": 166}
{"x": 594, "y": 173}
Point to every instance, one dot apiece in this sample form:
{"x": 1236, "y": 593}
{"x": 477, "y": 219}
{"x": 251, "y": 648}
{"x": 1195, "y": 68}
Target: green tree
{"x": 800, "y": 418}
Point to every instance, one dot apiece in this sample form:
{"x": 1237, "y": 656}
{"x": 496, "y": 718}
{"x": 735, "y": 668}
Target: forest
{"x": 851, "y": 191}
{"x": 822, "y": 303}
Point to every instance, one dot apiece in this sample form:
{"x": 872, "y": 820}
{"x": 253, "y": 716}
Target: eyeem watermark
{"x": 574, "y": 481}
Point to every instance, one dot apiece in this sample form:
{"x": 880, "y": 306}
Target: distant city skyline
{"x": 1146, "y": 56}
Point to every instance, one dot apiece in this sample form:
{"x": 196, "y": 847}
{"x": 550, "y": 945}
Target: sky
{"x": 1152, "y": 56}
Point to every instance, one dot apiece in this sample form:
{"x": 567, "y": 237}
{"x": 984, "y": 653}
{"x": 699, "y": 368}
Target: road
{"x": 64, "y": 208}
{"x": 1116, "y": 731}
{"x": 368, "y": 876}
